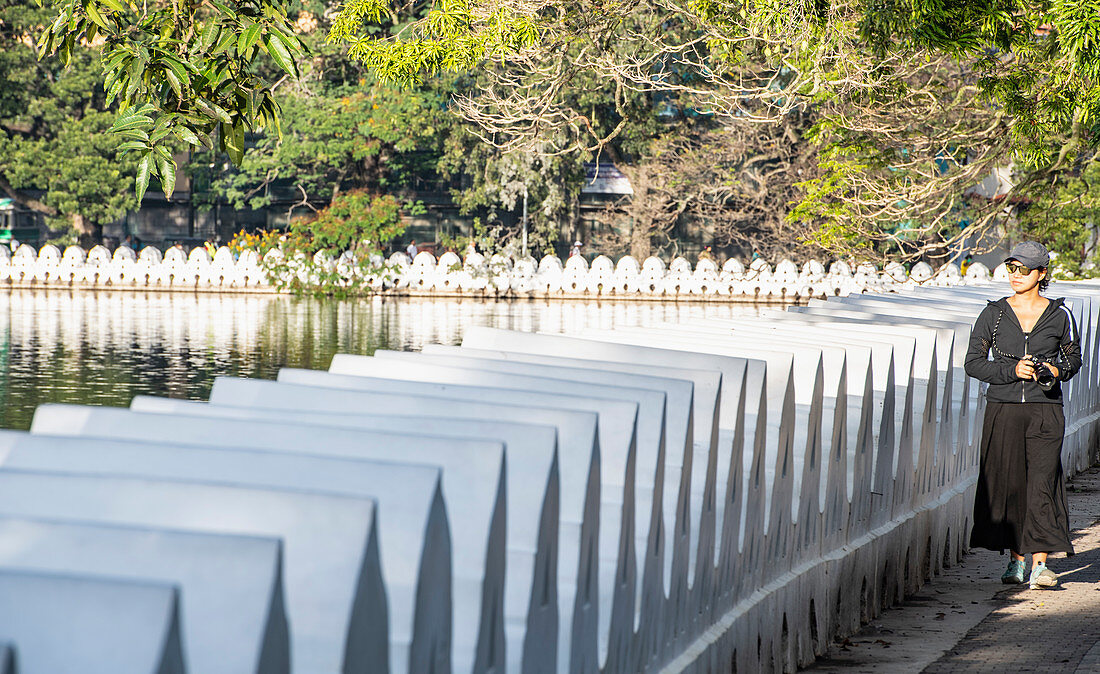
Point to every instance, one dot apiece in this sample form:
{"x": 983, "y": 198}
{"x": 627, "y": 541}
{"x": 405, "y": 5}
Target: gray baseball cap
{"x": 1030, "y": 253}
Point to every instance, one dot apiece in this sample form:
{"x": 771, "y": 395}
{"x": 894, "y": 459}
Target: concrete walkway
{"x": 967, "y": 621}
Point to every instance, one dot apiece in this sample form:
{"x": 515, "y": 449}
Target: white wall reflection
{"x": 106, "y": 347}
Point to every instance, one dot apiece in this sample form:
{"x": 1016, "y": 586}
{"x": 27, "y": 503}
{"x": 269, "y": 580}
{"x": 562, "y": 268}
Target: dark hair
{"x": 1044, "y": 282}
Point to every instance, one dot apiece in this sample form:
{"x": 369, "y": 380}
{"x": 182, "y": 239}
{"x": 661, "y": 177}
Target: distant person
{"x": 128, "y": 242}
{"x": 1024, "y": 346}
{"x": 411, "y": 251}
{"x": 576, "y": 249}
{"x": 705, "y": 254}
{"x": 967, "y": 261}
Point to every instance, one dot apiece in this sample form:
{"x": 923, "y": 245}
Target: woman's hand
{"x": 1025, "y": 369}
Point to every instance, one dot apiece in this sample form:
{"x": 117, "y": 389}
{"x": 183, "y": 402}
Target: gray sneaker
{"x": 1043, "y": 578}
{"x": 1014, "y": 574}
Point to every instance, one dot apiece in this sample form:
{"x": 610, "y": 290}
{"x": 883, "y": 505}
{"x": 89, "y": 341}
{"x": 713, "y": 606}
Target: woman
{"x": 1023, "y": 346}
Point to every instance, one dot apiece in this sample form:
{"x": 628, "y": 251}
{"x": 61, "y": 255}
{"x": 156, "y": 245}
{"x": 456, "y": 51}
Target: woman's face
{"x": 1023, "y": 282}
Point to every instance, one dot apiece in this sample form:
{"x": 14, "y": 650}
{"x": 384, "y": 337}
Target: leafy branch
{"x": 182, "y": 71}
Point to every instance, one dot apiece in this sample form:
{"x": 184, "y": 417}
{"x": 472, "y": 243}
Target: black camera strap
{"x": 996, "y": 326}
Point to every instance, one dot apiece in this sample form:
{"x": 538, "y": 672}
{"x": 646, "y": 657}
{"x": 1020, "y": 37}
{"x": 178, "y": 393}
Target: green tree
{"x": 338, "y": 251}
{"x": 494, "y": 182}
{"x": 197, "y": 72}
{"x": 915, "y": 102}
{"x": 1065, "y": 213}
{"x": 342, "y": 129}
{"x": 53, "y": 123}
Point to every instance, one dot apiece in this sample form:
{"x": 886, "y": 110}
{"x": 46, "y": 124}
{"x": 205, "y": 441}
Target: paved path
{"x": 1039, "y": 630}
{"x": 966, "y": 621}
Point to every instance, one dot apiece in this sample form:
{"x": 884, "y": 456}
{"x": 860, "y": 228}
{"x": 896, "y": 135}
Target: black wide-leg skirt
{"x": 1020, "y": 503}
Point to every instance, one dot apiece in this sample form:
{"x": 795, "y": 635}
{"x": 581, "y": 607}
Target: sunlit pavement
{"x": 966, "y": 621}
{"x": 1043, "y": 630}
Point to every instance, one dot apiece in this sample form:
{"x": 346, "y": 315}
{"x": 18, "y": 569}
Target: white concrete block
{"x": 232, "y": 614}
{"x": 473, "y": 488}
{"x": 530, "y": 597}
{"x": 334, "y": 587}
{"x": 578, "y": 455}
{"x": 68, "y": 623}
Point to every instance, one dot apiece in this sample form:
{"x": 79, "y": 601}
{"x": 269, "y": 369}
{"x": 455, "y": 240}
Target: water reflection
{"x": 103, "y": 348}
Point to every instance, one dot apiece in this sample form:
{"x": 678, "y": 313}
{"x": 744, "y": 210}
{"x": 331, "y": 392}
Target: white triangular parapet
{"x": 619, "y": 441}
{"x": 578, "y": 557}
{"x": 661, "y": 428}
{"x": 412, "y": 565}
{"x": 685, "y": 477}
{"x": 693, "y": 495}
{"x": 333, "y": 581}
{"x": 526, "y": 596}
{"x": 580, "y": 548}
{"x": 234, "y": 618}
{"x": 91, "y": 624}
{"x": 474, "y": 416}
{"x": 472, "y": 479}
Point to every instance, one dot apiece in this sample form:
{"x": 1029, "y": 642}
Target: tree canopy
{"x": 53, "y": 123}
{"x": 912, "y": 102}
{"x": 908, "y": 103}
{"x": 201, "y": 73}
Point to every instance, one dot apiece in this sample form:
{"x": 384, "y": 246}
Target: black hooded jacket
{"x": 997, "y": 342}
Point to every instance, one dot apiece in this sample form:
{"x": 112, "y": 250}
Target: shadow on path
{"x": 1039, "y": 630}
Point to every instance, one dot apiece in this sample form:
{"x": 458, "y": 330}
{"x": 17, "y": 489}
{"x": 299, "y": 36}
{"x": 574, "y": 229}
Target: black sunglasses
{"x": 1014, "y": 267}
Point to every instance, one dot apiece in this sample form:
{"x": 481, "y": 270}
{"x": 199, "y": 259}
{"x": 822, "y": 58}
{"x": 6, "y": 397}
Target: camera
{"x": 1044, "y": 376}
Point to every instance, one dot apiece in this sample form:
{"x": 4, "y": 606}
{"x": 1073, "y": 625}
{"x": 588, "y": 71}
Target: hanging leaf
{"x": 233, "y": 137}
{"x": 116, "y": 60}
{"x": 280, "y": 55}
{"x": 248, "y": 38}
{"x": 214, "y": 111}
{"x": 115, "y": 5}
{"x": 135, "y": 134}
{"x": 173, "y": 82}
{"x": 115, "y": 90}
{"x": 209, "y": 36}
{"x": 145, "y": 166}
{"x": 159, "y": 134}
{"x": 186, "y": 135}
{"x": 178, "y": 67}
{"x": 167, "y": 176}
{"x": 130, "y": 122}
{"x": 225, "y": 39}
{"x": 94, "y": 15}
{"x": 133, "y": 145}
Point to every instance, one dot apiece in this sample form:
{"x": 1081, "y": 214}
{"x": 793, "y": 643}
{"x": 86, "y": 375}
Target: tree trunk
{"x": 88, "y": 233}
{"x": 25, "y": 201}
{"x": 641, "y": 243}
{"x": 80, "y": 224}
{"x": 641, "y": 223}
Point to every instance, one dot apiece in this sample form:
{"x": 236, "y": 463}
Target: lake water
{"x": 103, "y": 348}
